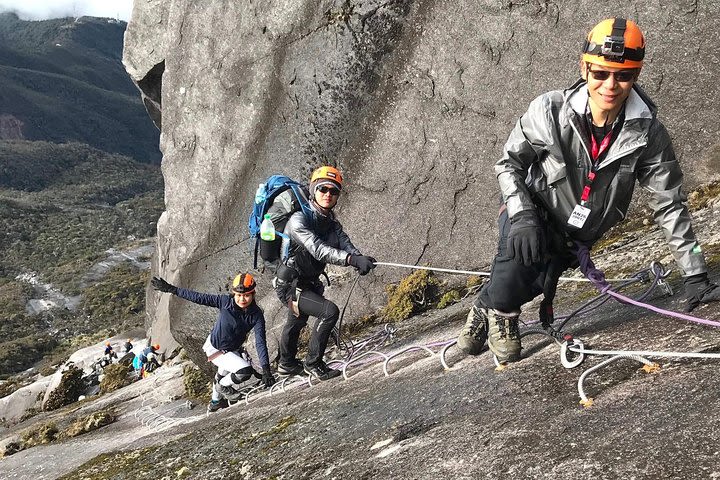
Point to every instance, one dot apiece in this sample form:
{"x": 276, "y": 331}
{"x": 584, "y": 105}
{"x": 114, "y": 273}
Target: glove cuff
{"x": 697, "y": 279}
{"x": 526, "y": 216}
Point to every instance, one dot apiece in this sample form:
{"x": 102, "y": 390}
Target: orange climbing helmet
{"x": 243, "y": 283}
{"x": 615, "y": 43}
{"x": 156, "y": 346}
{"x": 324, "y": 173}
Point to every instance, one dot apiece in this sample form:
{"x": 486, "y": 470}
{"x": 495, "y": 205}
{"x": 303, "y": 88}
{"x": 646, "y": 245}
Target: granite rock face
{"x": 412, "y": 100}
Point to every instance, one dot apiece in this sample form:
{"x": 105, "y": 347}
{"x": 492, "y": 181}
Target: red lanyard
{"x": 595, "y": 152}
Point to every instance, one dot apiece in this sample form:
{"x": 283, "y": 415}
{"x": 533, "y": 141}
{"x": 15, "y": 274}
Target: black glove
{"x": 526, "y": 242}
{"x": 362, "y": 262}
{"x": 698, "y": 289}
{"x": 267, "y": 377}
{"x": 161, "y": 285}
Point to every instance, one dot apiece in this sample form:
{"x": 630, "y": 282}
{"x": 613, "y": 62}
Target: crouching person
{"x": 147, "y": 361}
{"x": 238, "y": 315}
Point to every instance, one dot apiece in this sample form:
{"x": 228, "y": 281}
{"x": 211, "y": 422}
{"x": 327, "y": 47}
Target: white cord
{"x": 487, "y": 274}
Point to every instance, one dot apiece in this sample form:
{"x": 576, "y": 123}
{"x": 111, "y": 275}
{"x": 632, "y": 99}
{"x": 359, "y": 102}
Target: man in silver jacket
{"x": 567, "y": 176}
{"x": 313, "y": 243}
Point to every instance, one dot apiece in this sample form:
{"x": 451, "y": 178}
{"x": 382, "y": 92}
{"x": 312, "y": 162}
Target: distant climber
{"x": 567, "y": 175}
{"x": 147, "y": 361}
{"x": 224, "y": 346}
{"x": 128, "y": 345}
{"x": 108, "y": 355}
{"x": 312, "y": 243}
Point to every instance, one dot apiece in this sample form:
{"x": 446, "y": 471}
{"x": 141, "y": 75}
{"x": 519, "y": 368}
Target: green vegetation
{"x": 413, "y": 294}
{"x": 61, "y": 224}
{"x": 16, "y": 355}
{"x": 89, "y": 423}
{"x": 70, "y": 388}
{"x": 702, "y": 195}
{"x": 39, "y": 435}
{"x": 61, "y": 208}
{"x": 63, "y": 81}
{"x": 45, "y": 433}
{"x": 450, "y": 297}
{"x": 115, "y": 376}
{"x": 473, "y": 281}
{"x": 197, "y": 385}
{"x": 11, "y": 385}
{"x": 121, "y": 294}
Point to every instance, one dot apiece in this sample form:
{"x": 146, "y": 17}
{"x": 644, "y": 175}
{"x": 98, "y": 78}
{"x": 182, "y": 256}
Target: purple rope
{"x": 597, "y": 277}
{"x": 670, "y": 313}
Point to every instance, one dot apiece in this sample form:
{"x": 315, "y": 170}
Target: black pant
{"x": 310, "y": 303}
{"x": 512, "y": 284}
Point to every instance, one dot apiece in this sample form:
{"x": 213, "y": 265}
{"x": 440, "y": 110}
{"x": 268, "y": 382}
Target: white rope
{"x": 645, "y": 353}
{"x": 487, "y": 274}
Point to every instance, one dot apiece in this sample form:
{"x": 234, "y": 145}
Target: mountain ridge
{"x": 64, "y": 81}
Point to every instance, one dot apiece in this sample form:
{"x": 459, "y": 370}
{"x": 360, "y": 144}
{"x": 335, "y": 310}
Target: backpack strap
{"x": 303, "y": 201}
{"x": 255, "y": 256}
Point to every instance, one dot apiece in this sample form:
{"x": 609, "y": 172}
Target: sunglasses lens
{"x": 332, "y": 191}
{"x": 621, "y": 76}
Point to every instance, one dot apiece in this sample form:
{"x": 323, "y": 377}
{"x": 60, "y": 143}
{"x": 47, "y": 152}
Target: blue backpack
{"x": 264, "y": 199}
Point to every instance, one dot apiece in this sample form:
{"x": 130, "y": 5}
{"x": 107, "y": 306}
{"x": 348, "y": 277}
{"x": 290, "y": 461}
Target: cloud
{"x": 44, "y": 9}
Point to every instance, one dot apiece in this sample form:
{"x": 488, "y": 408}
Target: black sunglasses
{"x": 621, "y": 76}
{"x": 333, "y": 191}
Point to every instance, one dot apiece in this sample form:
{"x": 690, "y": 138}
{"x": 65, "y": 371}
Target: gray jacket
{"x": 546, "y": 161}
{"x": 316, "y": 242}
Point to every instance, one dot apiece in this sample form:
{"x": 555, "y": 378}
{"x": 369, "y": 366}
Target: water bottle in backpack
{"x": 267, "y": 229}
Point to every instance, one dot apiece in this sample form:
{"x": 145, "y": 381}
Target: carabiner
{"x": 577, "y": 357}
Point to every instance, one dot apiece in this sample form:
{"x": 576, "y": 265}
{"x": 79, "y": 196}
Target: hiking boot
{"x": 294, "y": 367}
{"x": 504, "y": 336}
{"x": 321, "y": 371}
{"x": 474, "y": 334}
{"x": 216, "y": 405}
{"x": 233, "y": 394}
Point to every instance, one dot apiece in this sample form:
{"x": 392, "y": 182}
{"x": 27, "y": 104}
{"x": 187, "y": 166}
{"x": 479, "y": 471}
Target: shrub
{"x": 413, "y": 294}
{"x": 70, "y": 388}
{"x": 39, "y": 435}
{"x": 197, "y": 385}
{"x": 449, "y": 298}
{"x": 89, "y": 423}
{"x": 115, "y": 377}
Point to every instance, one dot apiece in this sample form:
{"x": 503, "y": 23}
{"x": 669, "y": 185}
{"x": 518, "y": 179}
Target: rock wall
{"x": 413, "y": 100}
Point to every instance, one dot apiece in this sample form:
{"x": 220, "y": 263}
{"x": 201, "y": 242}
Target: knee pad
{"x": 242, "y": 375}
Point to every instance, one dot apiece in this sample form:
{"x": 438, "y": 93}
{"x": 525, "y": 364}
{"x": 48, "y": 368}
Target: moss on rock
{"x": 89, "y": 423}
{"x": 70, "y": 388}
{"x": 39, "y": 435}
{"x": 450, "y": 297}
{"x": 115, "y": 376}
{"x": 415, "y": 293}
{"x": 197, "y": 385}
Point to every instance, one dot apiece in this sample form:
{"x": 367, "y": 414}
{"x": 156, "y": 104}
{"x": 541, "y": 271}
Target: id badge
{"x": 578, "y": 216}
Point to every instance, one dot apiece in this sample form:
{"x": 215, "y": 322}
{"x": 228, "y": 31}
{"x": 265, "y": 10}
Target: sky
{"x": 44, "y": 9}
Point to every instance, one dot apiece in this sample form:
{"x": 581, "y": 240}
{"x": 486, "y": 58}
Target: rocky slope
{"x": 413, "y": 100}
{"x": 425, "y": 421}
